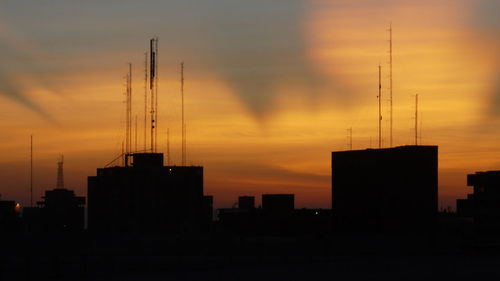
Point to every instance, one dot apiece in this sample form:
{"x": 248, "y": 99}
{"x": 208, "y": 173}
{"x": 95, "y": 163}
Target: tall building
{"x": 146, "y": 196}
{"x": 386, "y": 188}
{"x": 484, "y": 203}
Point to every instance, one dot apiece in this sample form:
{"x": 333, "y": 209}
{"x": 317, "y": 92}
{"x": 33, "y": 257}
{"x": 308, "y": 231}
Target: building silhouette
{"x": 483, "y": 205}
{"x": 146, "y": 196}
{"x": 9, "y": 216}
{"x": 60, "y": 209}
{"x": 246, "y": 202}
{"x": 385, "y": 189}
{"x": 278, "y": 204}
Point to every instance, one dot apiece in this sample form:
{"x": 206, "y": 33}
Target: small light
{"x": 315, "y": 213}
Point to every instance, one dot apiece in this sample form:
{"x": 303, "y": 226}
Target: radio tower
{"x": 60, "y": 173}
{"x": 390, "y": 81}
{"x": 183, "y": 122}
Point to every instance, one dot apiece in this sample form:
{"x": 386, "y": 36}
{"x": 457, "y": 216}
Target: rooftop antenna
{"x": 379, "y": 107}
{"x": 416, "y": 119}
{"x": 60, "y": 173}
{"x": 128, "y": 112}
{"x": 145, "y": 95}
{"x": 390, "y": 81}
{"x": 183, "y": 122}
{"x": 153, "y": 87}
{"x": 31, "y": 171}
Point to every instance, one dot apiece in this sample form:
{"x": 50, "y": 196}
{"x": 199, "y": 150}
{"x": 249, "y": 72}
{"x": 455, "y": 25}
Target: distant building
{"x": 390, "y": 188}
{"x": 208, "y": 207}
{"x": 9, "y": 216}
{"x": 62, "y": 210}
{"x": 278, "y": 204}
{"x": 483, "y": 205}
{"x": 246, "y": 202}
{"x": 145, "y": 196}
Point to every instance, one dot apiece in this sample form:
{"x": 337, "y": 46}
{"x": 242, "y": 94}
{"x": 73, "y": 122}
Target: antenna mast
{"x": 379, "y": 107}
{"x": 31, "y": 171}
{"x": 60, "y": 173}
{"x": 349, "y": 132}
{"x": 135, "y": 133}
{"x": 153, "y": 85}
{"x": 128, "y": 110}
{"x": 183, "y": 122}
{"x": 390, "y": 80}
{"x": 129, "y": 148}
{"x": 145, "y": 95}
{"x": 416, "y": 119}
{"x": 156, "y": 92}
{"x": 168, "y": 147}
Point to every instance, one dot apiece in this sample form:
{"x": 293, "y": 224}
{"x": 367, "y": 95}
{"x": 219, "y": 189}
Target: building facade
{"x": 146, "y": 196}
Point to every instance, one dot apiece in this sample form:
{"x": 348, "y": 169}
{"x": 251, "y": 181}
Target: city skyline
{"x": 270, "y": 88}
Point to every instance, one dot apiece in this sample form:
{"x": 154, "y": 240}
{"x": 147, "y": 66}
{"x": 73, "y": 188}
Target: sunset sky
{"x": 271, "y": 88}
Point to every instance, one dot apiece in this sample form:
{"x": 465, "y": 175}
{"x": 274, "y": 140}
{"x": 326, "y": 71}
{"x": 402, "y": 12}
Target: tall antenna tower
{"x": 60, "y": 173}
{"x": 31, "y": 171}
{"x": 390, "y": 81}
{"x": 183, "y": 120}
{"x": 153, "y": 87}
{"x": 145, "y": 96}
{"x": 379, "y": 106}
{"x": 416, "y": 119}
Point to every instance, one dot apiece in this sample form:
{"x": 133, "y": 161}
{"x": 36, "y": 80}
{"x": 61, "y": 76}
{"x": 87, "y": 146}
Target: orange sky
{"x": 270, "y": 89}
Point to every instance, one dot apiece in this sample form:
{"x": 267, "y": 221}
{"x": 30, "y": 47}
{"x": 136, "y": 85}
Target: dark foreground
{"x": 345, "y": 256}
